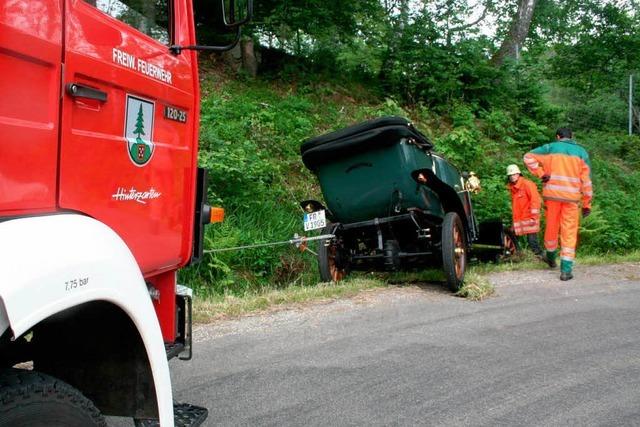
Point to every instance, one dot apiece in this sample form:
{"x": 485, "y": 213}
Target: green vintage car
{"x": 391, "y": 202}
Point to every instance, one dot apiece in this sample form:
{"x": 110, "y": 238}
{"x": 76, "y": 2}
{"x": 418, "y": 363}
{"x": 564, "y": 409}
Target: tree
{"x": 310, "y": 29}
{"x": 604, "y": 50}
{"x": 519, "y": 29}
{"x": 139, "y": 127}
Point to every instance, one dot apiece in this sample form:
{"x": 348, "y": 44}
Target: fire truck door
{"x": 127, "y": 151}
{"x": 30, "y": 52}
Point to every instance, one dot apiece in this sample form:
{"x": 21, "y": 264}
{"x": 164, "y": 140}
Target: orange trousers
{"x": 563, "y": 218}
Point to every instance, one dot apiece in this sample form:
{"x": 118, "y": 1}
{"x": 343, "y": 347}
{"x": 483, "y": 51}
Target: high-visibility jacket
{"x": 525, "y": 205}
{"x": 569, "y": 170}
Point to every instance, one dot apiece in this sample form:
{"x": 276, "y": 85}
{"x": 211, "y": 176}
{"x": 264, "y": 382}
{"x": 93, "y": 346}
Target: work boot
{"x": 550, "y": 259}
{"x": 565, "y": 270}
{"x": 564, "y": 276}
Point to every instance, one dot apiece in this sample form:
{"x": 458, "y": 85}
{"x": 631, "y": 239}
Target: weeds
{"x": 250, "y": 137}
{"x": 225, "y": 306}
{"x": 476, "y": 287}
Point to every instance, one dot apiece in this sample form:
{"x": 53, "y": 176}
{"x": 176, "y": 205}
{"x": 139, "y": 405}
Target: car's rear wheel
{"x": 332, "y": 262}
{"x": 454, "y": 250}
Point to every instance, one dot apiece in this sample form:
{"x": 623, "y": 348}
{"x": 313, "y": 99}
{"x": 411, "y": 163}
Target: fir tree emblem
{"x": 138, "y": 132}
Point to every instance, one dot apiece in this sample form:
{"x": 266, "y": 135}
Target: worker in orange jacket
{"x": 565, "y": 170}
{"x": 525, "y": 206}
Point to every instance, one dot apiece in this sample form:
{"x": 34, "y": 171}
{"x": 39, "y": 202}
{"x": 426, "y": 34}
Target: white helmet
{"x": 513, "y": 169}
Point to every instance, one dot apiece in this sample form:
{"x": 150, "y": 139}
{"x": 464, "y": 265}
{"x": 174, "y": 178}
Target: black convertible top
{"x": 362, "y": 136}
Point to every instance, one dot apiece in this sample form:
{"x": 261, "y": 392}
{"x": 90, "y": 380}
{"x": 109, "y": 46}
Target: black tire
{"x": 391, "y": 258}
{"x": 32, "y": 399}
{"x": 454, "y": 250}
{"x": 332, "y": 267}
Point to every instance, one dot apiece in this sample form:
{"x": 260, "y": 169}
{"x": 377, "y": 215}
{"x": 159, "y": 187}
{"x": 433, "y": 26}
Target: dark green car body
{"x": 365, "y": 172}
{"x": 392, "y": 202}
{"x": 378, "y": 183}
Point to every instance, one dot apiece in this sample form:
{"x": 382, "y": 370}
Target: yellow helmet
{"x": 513, "y": 169}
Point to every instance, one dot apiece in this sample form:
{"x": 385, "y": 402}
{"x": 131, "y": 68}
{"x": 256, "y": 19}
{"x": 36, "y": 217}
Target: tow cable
{"x": 299, "y": 241}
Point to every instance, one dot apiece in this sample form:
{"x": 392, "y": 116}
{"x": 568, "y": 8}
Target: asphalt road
{"x": 540, "y": 352}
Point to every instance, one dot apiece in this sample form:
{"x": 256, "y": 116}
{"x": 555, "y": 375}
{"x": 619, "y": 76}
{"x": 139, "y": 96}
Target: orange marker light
{"x": 217, "y": 215}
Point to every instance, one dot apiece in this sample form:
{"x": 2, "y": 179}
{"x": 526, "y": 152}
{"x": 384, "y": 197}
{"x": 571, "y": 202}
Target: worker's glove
{"x": 545, "y": 178}
{"x": 586, "y": 212}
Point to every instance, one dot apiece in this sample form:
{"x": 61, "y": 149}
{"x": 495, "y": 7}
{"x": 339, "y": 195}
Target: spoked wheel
{"x": 454, "y": 250}
{"x": 509, "y": 244}
{"x": 331, "y": 258}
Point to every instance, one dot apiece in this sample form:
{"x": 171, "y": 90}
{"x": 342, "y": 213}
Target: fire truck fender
{"x": 57, "y": 262}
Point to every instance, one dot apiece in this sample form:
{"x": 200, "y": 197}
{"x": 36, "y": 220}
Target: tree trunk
{"x": 404, "y": 13}
{"x": 512, "y": 44}
{"x": 396, "y": 27}
{"x": 249, "y": 60}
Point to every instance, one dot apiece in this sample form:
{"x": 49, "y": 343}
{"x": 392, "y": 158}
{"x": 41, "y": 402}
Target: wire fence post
{"x": 630, "y": 104}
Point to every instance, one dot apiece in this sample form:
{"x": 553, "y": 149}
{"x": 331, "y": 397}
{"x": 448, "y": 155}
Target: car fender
{"x": 51, "y": 263}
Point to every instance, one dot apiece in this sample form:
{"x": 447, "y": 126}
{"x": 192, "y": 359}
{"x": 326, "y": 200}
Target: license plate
{"x": 314, "y": 220}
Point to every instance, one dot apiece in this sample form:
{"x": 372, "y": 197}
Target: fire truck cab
{"x": 101, "y": 202}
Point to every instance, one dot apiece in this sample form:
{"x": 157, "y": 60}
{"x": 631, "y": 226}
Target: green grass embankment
{"x": 250, "y": 135}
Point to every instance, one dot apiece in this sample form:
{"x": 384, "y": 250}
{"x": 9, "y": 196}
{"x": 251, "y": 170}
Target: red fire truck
{"x": 101, "y": 202}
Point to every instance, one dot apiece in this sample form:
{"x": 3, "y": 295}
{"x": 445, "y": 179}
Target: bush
{"x": 600, "y": 111}
{"x": 251, "y": 132}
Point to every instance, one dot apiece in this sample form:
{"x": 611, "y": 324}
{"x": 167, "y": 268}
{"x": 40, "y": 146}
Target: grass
{"x": 216, "y": 307}
{"x": 633, "y": 256}
{"x": 250, "y": 135}
{"x": 529, "y": 262}
{"x": 229, "y": 306}
{"x": 476, "y": 287}
{"x": 524, "y": 261}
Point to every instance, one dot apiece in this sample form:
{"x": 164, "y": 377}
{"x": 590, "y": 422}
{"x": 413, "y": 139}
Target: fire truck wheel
{"x": 32, "y": 399}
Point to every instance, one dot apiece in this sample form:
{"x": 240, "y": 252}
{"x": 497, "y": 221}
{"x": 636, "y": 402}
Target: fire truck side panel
{"x": 57, "y": 262}
{"x": 128, "y": 161}
{"x": 31, "y": 40}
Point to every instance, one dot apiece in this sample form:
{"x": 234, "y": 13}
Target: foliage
{"x": 326, "y": 65}
{"x": 591, "y": 58}
{"x": 249, "y": 143}
{"x": 604, "y": 50}
{"x": 609, "y": 228}
{"x": 250, "y": 137}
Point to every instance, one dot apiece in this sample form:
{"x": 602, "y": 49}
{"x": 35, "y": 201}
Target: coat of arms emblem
{"x": 139, "y": 130}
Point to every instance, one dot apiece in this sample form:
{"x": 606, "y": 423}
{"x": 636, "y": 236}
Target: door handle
{"x": 81, "y": 91}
